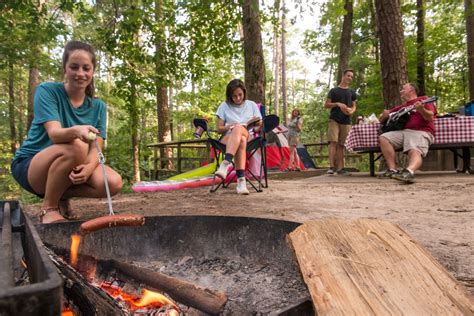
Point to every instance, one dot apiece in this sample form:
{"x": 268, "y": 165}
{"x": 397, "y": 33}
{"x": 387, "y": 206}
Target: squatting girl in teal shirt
{"x": 57, "y": 161}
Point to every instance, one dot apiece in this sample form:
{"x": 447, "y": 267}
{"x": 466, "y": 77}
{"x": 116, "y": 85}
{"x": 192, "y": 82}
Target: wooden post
{"x": 155, "y": 163}
{"x": 179, "y": 158}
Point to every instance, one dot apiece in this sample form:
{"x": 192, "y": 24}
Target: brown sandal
{"x": 48, "y": 210}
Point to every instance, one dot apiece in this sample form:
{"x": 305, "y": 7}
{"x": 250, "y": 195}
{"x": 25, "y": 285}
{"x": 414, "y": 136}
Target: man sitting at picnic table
{"x": 415, "y": 138}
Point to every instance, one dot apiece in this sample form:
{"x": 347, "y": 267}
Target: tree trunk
{"x": 171, "y": 107}
{"x": 32, "y": 84}
{"x": 163, "y": 124}
{"x": 420, "y": 46}
{"x": 21, "y": 126}
{"x": 276, "y": 92}
{"x": 374, "y": 26}
{"x": 345, "y": 42}
{"x": 134, "y": 122}
{"x": 162, "y": 108}
{"x": 283, "y": 64}
{"x": 253, "y": 52}
{"x": 392, "y": 50}
{"x": 276, "y": 60}
{"x": 469, "y": 12}
{"x": 11, "y": 107}
{"x": 109, "y": 73}
{"x": 331, "y": 68}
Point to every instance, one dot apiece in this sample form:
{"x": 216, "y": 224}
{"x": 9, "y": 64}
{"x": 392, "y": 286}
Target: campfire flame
{"x": 149, "y": 298}
{"x": 75, "y": 242}
{"x": 67, "y": 312}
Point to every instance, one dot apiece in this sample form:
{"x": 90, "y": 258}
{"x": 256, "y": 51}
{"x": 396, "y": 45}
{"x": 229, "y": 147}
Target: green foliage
{"x": 200, "y": 50}
{"x": 446, "y": 64}
{"x": 8, "y": 187}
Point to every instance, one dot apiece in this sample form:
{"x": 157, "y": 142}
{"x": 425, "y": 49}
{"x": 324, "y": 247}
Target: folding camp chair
{"x": 257, "y": 178}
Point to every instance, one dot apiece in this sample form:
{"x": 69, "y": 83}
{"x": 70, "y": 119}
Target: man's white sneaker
{"x": 242, "y": 186}
{"x": 223, "y": 169}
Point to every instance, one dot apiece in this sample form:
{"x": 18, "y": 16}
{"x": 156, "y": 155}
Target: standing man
{"x": 342, "y": 102}
{"x": 415, "y": 138}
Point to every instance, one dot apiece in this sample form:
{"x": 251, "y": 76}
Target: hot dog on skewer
{"x": 112, "y": 221}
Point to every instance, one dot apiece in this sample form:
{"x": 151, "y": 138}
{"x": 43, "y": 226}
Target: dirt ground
{"x": 437, "y": 211}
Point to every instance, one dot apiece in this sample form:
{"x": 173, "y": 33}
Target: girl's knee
{"x": 78, "y": 150}
{"x": 115, "y": 183}
{"x": 243, "y": 142}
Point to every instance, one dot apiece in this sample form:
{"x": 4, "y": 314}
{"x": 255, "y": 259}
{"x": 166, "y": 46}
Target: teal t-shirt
{"x": 51, "y": 103}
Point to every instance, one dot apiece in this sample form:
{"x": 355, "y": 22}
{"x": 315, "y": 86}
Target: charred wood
{"x": 204, "y": 299}
{"x": 89, "y": 300}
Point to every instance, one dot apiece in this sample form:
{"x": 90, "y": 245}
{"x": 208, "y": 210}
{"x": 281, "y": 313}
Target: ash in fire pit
{"x": 261, "y": 286}
{"x": 246, "y": 258}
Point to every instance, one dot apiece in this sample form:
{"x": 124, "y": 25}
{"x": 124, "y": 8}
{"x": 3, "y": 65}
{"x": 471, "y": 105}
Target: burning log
{"x": 86, "y": 297}
{"x": 182, "y": 291}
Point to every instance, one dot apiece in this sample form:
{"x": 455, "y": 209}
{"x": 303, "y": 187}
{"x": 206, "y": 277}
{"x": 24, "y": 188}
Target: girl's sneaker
{"x": 242, "y": 186}
{"x": 223, "y": 169}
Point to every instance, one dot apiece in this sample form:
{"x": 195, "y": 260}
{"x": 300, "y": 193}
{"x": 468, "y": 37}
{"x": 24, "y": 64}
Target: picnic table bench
{"x": 452, "y": 133}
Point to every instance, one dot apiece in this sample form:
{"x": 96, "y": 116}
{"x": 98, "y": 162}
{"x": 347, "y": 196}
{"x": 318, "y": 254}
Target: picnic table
{"x": 452, "y": 133}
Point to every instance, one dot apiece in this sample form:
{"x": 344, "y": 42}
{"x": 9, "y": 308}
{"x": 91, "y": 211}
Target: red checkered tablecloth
{"x": 448, "y": 130}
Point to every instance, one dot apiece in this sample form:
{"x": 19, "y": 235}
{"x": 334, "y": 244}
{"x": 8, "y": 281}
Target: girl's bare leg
{"x": 236, "y": 144}
{"x": 49, "y": 175}
{"x": 233, "y": 141}
{"x": 241, "y": 154}
{"x": 290, "y": 164}
{"x": 49, "y": 171}
{"x": 297, "y": 159}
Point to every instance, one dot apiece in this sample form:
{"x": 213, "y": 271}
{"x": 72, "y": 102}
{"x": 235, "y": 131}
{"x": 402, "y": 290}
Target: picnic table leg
{"x": 466, "y": 159}
{"x": 455, "y": 158}
{"x": 372, "y": 164}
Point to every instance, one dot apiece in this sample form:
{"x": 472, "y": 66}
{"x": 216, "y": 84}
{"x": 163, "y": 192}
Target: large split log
{"x": 371, "y": 267}
{"x": 204, "y": 299}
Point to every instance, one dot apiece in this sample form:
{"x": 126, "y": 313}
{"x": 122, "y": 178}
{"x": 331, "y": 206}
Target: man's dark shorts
{"x": 19, "y": 169}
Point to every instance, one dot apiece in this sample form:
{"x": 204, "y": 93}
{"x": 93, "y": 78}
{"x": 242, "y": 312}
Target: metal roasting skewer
{"x": 111, "y": 220}
{"x": 101, "y": 158}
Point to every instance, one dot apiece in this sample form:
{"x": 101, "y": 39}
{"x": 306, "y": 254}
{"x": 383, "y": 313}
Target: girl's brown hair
{"x": 231, "y": 86}
{"x": 295, "y": 109}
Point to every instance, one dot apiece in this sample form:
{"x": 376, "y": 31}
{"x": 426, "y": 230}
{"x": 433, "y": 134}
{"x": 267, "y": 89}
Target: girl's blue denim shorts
{"x": 19, "y": 169}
